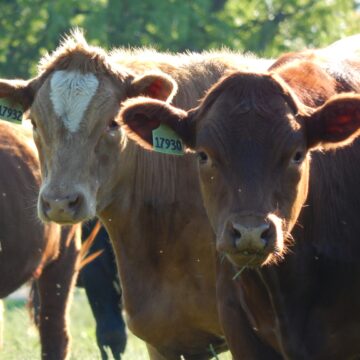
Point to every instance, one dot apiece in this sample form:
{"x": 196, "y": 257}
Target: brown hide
{"x": 287, "y": 221}
{"x": 157, "y": 224}
{"x": 162, "y": 238}
{"x": 29, "y": 248}
{"x": 312, "y": 294}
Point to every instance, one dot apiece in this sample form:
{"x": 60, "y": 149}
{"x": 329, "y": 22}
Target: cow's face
{"x": 79, "y": 142}
{"x": 253, "y": 139}
{"x": 253, "y": 168}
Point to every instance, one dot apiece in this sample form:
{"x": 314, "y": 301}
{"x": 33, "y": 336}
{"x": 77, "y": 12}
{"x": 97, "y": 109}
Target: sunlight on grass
{"x": 21, "y": 338}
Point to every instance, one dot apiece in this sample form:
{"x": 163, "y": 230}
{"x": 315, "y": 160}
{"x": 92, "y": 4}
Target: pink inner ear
{"x": 344, "y": 119}
{"x": 156, "y": 90}
{"x": 339, "y": 125}
{"x": 344, "y": 123}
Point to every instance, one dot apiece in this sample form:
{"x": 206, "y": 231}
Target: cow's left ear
{"x": 141, "y": 116}
{"x": 334, "y": 124}
{"x": 18, "y": 92}
{"x": 155, "y": 85}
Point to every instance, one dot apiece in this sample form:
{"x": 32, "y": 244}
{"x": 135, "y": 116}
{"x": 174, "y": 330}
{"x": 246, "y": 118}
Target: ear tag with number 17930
{"x": 166, "y": 141}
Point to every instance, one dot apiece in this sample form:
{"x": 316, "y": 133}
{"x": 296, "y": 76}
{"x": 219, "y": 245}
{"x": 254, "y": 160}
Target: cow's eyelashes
{"x": 202, "y": 157}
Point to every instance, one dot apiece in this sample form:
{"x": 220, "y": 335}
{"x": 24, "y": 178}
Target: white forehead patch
{"x": 70, "y": 94}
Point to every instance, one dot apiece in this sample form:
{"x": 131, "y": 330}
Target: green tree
{"x": 29, "y": 28}
{"x": 270, "y": 27}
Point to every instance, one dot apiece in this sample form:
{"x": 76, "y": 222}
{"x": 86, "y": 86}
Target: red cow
{"x": 283, "y": 203}
{"x": 29, "y": 248}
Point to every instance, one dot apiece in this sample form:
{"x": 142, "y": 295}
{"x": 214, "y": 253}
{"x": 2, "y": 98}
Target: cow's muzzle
{"x": 249, "y": 240}
{"x": 64, "y": 209}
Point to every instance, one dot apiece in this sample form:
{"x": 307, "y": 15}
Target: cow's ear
{"x": 334, "y": 124}
{"x": 154, "y": 85}
{"x": 18, "y": 92}
{"x": 141, "y": 116}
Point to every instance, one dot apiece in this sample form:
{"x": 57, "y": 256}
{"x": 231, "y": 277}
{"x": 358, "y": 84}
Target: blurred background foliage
{"x": 29, "y": 28}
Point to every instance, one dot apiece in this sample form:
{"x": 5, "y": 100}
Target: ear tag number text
{"x": 10, "y": 112}
{"x": 166, "y": 141}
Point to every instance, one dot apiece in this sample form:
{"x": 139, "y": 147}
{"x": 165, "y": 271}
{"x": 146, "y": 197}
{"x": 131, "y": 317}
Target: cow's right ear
{"x": 18, "y": 92}
{"x": 156, "y": 85}
{"x": 334, "y": 124}
{"x": 141, "y": 116}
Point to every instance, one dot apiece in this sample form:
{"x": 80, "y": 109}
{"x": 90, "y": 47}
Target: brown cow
{"x": 255, "y": 136}
{"x": 161, "y": 238}
{"x": 30, "y": 249}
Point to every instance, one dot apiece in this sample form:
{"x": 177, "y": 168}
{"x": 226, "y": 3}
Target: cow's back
{"x": 194, "y": 73}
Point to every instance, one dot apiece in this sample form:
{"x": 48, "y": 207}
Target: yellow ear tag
{"x": 166, "y": 141}
{"x": 11, "y": 112}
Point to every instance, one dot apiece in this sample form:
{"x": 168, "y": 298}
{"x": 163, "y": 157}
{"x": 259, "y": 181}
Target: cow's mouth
{"x": 248, "y": 259}
{"x": 271, "y": 255}
{"x": 251, "y": 240}
{"x": 61, "y": 219}
{"x": 64, "y": 209}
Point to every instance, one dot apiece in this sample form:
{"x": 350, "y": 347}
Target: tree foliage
{"x": 29, "y": 28}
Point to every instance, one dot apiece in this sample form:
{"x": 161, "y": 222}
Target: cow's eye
{"x": 112, "y": 126}
{"x": 202, "y": 157}
{"x": 298, "y": 157}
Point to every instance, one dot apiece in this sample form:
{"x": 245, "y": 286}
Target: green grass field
{"x": 21, "y": 338}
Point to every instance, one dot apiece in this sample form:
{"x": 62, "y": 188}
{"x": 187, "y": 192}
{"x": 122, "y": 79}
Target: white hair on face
{"x": 70, "y": 94}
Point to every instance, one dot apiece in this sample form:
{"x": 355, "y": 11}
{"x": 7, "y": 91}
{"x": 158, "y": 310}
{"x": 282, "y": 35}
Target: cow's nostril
{"x": 235, "y": 233}
{"x": 268, "y": 234}
{"x": 265, "y": 235}
{"x": 74, "y": 202}
{"x": 45, "y": 204}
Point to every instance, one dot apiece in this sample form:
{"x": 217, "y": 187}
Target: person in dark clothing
{"x": 101, "y": 283}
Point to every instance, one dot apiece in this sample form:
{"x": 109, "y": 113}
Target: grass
{"x": 21, "y": 338}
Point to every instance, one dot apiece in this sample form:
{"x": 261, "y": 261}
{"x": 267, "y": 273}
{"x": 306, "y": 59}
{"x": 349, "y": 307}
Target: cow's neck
{"x": 154, "y": 201}
{"x": 323, "y": 263}
{"x": 290, "y": 306}
{"x": 160, "y": 233}
{"x": 331, "y": 217}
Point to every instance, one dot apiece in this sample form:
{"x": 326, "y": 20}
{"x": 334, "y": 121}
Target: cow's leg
{"x": 105, "y": 302}
{"x": 56, "y": 284}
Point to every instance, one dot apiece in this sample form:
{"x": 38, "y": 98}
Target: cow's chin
{"x": 67, "y": 218}
{"x": 240, "y": 260}
{"x": 271, "y": 255}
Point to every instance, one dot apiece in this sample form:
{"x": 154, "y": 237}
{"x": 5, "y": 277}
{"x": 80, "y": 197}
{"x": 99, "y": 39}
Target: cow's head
{"x": 72, "y": 105}
{"x": 253, "y": 138}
